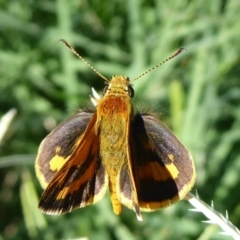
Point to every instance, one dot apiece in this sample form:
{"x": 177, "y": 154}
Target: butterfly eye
{"x": 130, "y": 92}
{"x": 105, "y": 90}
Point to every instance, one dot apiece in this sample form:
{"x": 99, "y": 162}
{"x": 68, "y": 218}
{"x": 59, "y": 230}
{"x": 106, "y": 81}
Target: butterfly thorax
{"x": 114, "y": 114}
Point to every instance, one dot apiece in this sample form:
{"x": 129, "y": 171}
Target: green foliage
{"x": 197, "y": 94}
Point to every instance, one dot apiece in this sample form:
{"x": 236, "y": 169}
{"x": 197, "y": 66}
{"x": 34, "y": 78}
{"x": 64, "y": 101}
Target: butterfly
{"x": 134, "y": 155}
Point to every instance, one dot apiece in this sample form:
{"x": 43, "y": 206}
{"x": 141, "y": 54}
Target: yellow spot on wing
{"x": 171, "y": 157}
{"x": 57, "y": 162}
{"x": 173, "y": 170}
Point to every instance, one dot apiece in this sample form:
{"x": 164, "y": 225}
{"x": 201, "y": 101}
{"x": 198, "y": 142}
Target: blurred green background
{"x": 197, "y": 94}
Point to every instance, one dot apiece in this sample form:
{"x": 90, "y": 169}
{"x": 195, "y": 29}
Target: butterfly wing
{"x": 163, "y": 168}
{"x": 56, "y": 148}
{"x": 68, "y": 165}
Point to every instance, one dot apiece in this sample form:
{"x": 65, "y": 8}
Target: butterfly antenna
{"x": 79, "y": 56}
{"x": 172, "y": 56}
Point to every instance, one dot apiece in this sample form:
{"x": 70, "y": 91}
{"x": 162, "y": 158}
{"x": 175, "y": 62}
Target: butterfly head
{"x": 119, "y": 85}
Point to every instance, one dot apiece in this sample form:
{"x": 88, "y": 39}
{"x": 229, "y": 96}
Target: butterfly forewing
{"x": 81, "y": 180}
{"x": 59, "y": 145}
{"x": 162, "y": 167}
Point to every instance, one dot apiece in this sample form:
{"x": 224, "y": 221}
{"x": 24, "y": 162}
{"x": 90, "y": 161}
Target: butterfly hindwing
{"x": 81, "y": 180}
{"x": 163, "y": 168}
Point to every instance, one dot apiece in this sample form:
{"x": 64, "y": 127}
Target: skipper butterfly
{"x": 135, "y": 155}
